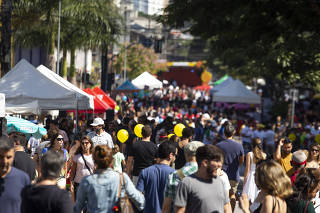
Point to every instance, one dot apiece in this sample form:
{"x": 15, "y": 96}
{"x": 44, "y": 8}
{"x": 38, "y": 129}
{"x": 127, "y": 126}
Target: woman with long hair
{"x": 275, "y": 187}
{"x": 56, "y": 144}
{"x": 82, "y": 163}
{"x": 255, "y": 156}
{"x": 305, "y": 188}
{"x": 99, "y": 192}
{"x": 313, "y": 156}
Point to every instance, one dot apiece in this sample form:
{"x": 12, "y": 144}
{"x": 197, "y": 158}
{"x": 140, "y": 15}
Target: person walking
{"x": 269, "y": 140}
{"x": 298, "y": 162}
{"x": 21, "y": 159}
{"x": 56, "y": 144}
{"x": 99, "y": 192}
{"x": 204, "y": 191}
{"x": 246, "y": 135}
{"x": 187, "y": 134}
{"x": 142, "y": 155}
{"x": 45, "y": 196}
{"x": 176, "y": 177}
{"x": 118, "y": 159}
{"x": 152, "y": 180}
{"x": 275, "y": 187}
{"x": 82, "y": 163}
{"x": 12, "y": 180}
{"x": 233, "y": 159}
{"x": 305, "y": 188}
{"x": 252, "y": 159}
{"x": 99, "y": 136}
{"x": 283, "y": 155}
{"x": 313, "y": 160}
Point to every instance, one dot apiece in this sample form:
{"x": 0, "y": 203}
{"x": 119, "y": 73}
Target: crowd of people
{"x": 88, "y": 169}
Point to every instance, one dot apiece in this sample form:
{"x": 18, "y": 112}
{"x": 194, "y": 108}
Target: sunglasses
{"x": 59, "y": 139}
{"x": 315, "y": 150}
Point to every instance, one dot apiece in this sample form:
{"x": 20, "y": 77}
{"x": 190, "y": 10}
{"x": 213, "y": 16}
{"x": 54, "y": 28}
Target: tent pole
{"x": 77, "y": 116}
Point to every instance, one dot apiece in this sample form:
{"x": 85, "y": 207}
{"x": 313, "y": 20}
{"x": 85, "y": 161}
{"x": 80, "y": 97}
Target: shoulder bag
{"x": 123, "y": 204}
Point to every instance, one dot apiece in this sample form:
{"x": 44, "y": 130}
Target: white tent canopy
{"x": 2, "y": 105}
{"x": 146, "y": 79}
{"x": 236, "y": 92}
{"x": 27, "y": 108}
{"x": 25, "y": 84}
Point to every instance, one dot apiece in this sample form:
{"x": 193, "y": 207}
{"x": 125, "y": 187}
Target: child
{"x": 118, "y": 158}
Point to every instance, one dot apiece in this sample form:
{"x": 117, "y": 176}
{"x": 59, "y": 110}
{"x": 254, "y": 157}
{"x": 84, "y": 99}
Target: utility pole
{"x": 294, "y": 95}
{"x": 125, "y": 44}
{"x": 127, "y": 7}
{"x": 58, "y": 47}
{"x": 85, "y": 68}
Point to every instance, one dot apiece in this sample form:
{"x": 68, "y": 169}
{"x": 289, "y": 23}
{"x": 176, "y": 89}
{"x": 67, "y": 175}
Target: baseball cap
{"x": 97, "y": 121}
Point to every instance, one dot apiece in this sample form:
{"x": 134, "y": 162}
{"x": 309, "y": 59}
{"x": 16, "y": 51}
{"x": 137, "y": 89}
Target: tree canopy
{"x": 139, "y": 60}
{"x": 261, "y": 38}
{"x": 84, "y": 23}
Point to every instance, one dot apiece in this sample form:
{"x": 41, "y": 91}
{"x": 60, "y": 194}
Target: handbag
{"x": 123, "y": 204}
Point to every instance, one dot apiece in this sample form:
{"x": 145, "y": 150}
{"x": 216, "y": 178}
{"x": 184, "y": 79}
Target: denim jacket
{"x": 99, "y": 192}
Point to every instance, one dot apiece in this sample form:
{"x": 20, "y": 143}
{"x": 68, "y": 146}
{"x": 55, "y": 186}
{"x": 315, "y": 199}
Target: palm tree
{"x": 85, "y": 23}
{"x": 35, "y": 24}
{"x": 5, "y": 34}
{"x": 90, "y": 24}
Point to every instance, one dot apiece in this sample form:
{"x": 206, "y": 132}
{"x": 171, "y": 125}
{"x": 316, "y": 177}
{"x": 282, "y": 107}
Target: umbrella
{"x": 15, "y": 124}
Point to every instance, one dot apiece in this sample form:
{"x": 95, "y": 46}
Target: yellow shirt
{"x": 286, "y": 164}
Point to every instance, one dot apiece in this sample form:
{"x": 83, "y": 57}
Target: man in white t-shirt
{"x": 99, "y": 136}
{"x": 258, "y": 132}
{"x": 269, "y": 143}
{"x": 203, "y": 191}
{"x": 33, "y": 144}
{"x": 246, "y": 134}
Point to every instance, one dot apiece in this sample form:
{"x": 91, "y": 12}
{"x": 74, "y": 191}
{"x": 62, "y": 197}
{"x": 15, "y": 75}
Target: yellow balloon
{"x": 292, "y": 137}
{"x": 122, "y": 135}
{"x": 170, "y": 135}
{"x": 138, "y": 130}
{"x": 206, "y": 76}
{"x": 317, "y": 138}
{"x": 241, "y": 128}
{"x": 178, "y": 129}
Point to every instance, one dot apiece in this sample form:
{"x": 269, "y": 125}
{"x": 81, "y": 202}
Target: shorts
{"x": 234, "y": 186}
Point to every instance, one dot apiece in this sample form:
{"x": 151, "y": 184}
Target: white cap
{"x": 97, "y": 121}
{"x": 206, "y": 116}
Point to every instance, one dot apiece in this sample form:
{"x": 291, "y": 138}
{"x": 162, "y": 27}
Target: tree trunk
{"x": 51, "y": 61}
{"x": 64, "y": 65}
{"x": 72, "y": 66}
{"x": 104, "y": 67}
{"x": 5, "y": 35}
